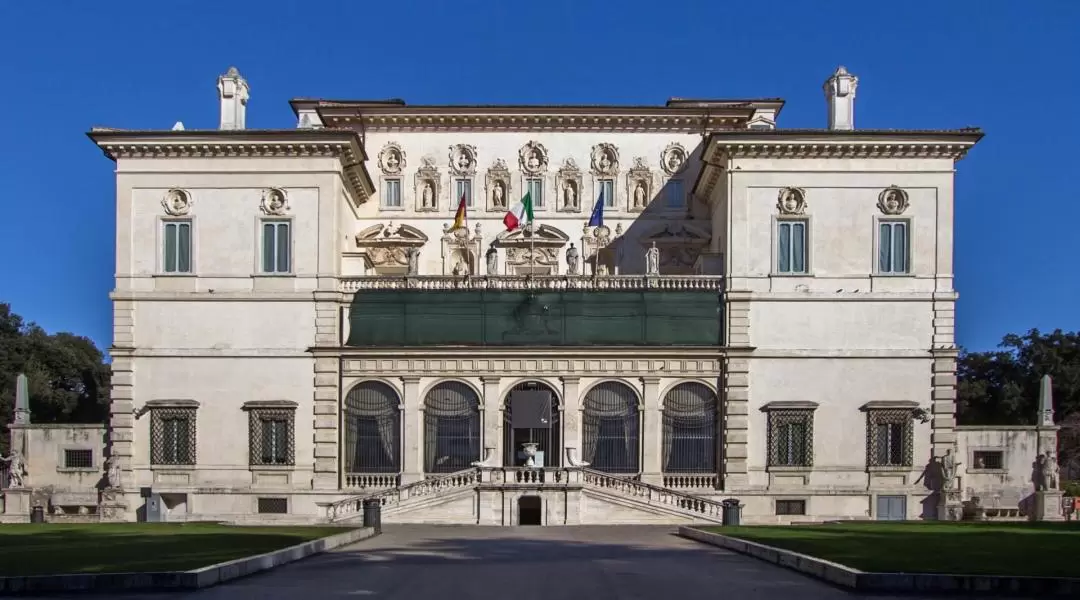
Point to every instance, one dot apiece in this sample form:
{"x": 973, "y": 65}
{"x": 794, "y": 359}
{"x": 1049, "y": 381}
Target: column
{"x": 571, "y": 418}
{"x": 652, "y": 432}
{"x": 736, "y": 402}
{"x": 493, "y": 420}
{"x": 412, "y": 457}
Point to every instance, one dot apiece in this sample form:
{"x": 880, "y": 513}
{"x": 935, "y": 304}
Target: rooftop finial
{"x": 233, "y": 95}
{"x": 840, "y": 97}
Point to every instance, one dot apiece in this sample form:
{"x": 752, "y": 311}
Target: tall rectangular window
{"x": 172, "y": 436}
{"x": 392, "y": 193}
{"x": 463, "y": 187}
{"x": 791, "y": 246}
{"x": 889, "y": 438}
{"x": 535, "y": 188}
{"x": 276, "y": 247}
{"x": 676, "y": 197}
{"x": 607, "y": 189}
{"x": 893, "y": 247}
{"x": 176, "y": 253}
{"x": 791, "y": 438}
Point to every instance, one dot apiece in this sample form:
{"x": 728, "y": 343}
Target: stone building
{"x": 759, "y": 312}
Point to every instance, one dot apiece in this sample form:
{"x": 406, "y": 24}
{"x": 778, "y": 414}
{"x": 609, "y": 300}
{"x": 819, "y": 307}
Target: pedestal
{"x": 1048, "y": 506}
{"x": 113, "y": 507}
{"x": 950, "y": 507}
{"x": 15, "y": 507}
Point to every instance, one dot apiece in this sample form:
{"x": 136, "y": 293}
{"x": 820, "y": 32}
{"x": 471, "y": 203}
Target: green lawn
{"x": 50, "y": 549}
{"x": 1036, "y": 549}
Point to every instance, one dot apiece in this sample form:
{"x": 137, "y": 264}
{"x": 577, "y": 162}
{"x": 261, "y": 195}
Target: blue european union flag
{"x": 597, "y": 218}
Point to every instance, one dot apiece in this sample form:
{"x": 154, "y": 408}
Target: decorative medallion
{"x": 605, "y": 159}
{"x": 568, "y": 185}
{"x": 176, "y": 203}
{"x": 673, "y": 159}
{"x": 892, "y": 201}
{"x": 533, "y": 158}
{"x": 428, "y": 186}
{"x": 274, "y": 202}
{"x": 463, "y": 159}
{"x": 791, "y": 201}
{"x": 639, "y": 185}
{"x": 497, "y": 184}
{"x": 392, "y": 159}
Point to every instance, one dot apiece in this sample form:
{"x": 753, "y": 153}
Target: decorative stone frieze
{"x": 535, "y": 282}
{"x": 390, "y": 246}
{"x": 532, "y": 250}
{"x": 550, "y": 363}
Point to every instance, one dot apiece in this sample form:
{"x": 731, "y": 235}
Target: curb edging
{"x": 194, "y": 579}
{"x": 865, "y": 581}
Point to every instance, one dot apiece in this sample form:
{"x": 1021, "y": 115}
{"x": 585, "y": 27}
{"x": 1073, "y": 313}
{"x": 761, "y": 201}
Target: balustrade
{"x": 371, "y": 481}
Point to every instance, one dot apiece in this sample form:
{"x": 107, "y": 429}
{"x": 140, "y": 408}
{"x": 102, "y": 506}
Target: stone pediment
{"x": 382, "y": 235}
{"x": 680, "y": 234}
{"x": 544, "y": 236}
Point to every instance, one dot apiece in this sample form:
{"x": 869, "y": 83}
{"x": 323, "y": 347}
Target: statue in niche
{"x": 569, "y": 195}
{"x": 602, "y": 270}
{"x": 492, "y": 257}
{"x": 652, "y": 260}
{"x": 639, "y": 195}
{"x": 413, "y": 255}
{"x": 498, "y": 195}
{"x": 572, "y": 258}
{"x": 428, "y": 195}
{"x": 461, "y": 269}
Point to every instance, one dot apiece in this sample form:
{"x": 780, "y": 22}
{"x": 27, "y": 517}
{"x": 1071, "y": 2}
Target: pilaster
{"x": 325, "y": 408}
{"x": 412, "y": 459}
{"x": 736, "y": 403}
{"x": 652, "y": 431}
{"x": 738, "y": 318}
{"x": 943, "y": 399}
{"x": 493, "y": 417}
{"x": 571, "y": 416}
{"x": 122, "y": 395}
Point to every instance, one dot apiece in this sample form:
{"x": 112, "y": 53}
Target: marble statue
{"x": 17, "y": 469}
{"x": 498, "y": 195}
{"x": 639, "y": 195}
{"x": 652, "y": 260}
{"x": 461, "y": 269}
{"x": 948, "y": 470}
{"x": 112, "y": 472}
{"x": 572, "y": 257}
{"x": 414, "y": 261}
{"x": 492, "y": 257}
{"x": 534, "y": 161}
{"x": 427, "y": 195}
{"x": 1042, "y": 473}
{"x": 569, "y": 196}
{"x": 1051, "y": 472}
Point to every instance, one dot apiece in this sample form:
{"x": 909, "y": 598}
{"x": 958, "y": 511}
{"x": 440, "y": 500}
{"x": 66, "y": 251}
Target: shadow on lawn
{"x": 51, "y": 549}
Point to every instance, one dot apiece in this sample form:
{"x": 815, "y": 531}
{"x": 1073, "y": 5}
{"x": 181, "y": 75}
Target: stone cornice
{"x": 552, "y": 282}
{"x": 344, "y": 145}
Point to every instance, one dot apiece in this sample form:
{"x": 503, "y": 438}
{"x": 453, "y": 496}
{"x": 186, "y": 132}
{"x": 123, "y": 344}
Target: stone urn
{"x": 530, "y": 448}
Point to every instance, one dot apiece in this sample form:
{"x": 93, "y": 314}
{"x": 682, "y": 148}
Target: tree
{"x": 67, "y": 376}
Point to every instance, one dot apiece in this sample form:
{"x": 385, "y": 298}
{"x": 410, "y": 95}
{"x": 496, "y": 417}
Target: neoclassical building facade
{"x": 704, "y": 305}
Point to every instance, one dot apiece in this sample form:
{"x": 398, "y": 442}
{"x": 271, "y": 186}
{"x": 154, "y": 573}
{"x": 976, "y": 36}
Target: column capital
{"x": 650, "y": 380}
{"x": 490, "y": 379}
{"x": 410, "y": 379}
{"x": 570, "y": 379}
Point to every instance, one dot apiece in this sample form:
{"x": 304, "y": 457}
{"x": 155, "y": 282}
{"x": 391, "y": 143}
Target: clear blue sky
{"x": 1010, "y": 67}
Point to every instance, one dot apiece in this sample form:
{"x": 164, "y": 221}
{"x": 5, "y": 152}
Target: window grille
{"x": 889, "y": 438}
{"x": 78, "y": 459}
{"x": 791, "y": 438}
{"x": 791, "y": 507}
{"x": 988, "y": 459}
{"x": 273, "y": 506}
{"x": 610, "y": 425}
{"x": 372, "y": 429}
{"x": 172, "y": 436}
{"x": 451, "y": 428}
{"x": 689, "y": 423}
{"x": 271, "y": 434}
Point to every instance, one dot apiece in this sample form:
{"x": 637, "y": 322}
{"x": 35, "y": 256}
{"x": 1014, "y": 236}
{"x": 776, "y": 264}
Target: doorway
{"x": 892, "y": 508}
{"x": 530, "y": 510}
{"x": 531, "y": 415}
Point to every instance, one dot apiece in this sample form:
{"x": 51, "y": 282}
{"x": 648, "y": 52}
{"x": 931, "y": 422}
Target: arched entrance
{"x": 611, "y": 421}
{"x": 451, "y": 427}
{"x": 531, "y": 414}
{"x": 372, "y": 429}
{"x": 689, "y": 444}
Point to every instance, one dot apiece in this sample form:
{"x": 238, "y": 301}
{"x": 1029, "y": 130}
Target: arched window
{"x": 538, "y": 420}
{"x": 690, "y": 429}
{"x": 610, "y": 426}
{"x": 451, "y": 428}
{"x": 372, "y": 429}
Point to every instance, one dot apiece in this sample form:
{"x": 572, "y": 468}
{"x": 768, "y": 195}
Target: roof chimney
{"x": 233, "y": 94}
{"x": 840, "y": 96}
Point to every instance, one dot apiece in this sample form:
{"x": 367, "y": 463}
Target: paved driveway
{"x": 415, "y": 562}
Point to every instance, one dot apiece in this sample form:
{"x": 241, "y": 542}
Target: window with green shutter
{"x": 276, "y": 247}
{"x": 176, "y": 247}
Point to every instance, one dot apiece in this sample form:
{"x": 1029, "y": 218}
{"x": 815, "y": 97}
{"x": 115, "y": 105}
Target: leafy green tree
{"x": 67, "y": 376}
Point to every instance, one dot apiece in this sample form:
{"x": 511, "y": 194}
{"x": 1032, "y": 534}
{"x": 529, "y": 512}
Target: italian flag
{"x": 519, "y": 214}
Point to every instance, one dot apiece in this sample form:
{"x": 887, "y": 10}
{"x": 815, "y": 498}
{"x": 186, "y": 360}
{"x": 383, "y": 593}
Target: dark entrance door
{"x": 530, "y": 510}
{"x": 531, "y": 415}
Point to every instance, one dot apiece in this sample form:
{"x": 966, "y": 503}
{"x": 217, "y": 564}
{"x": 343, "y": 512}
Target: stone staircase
{"x": 599, "y": 497}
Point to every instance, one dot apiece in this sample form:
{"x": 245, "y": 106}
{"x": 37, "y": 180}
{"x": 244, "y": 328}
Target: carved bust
{"x": 274, "y": 202}
{"x": 176, "y": 203}
{"x": 893, "y": 201}
{"x": 792, "y": 201}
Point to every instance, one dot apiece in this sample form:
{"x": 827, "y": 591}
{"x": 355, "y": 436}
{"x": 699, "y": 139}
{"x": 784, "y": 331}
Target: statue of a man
{"x": 17, "y": 469}
{"x": 498, "y": 197}
{"x": 1051, "y": 472}
{"x": 427, "y": 195}
{"x": 1041, "y": 473}
{"x": 652, "y": 260}
{"x": 492, "y": 257}
{"x": 639, "y": 195}
{"x": 414, "y": 261}
{"x": 569, "y": 196}
{"x": 572, "y": 257}
{"x": 948, "y": 470}
{"x": 112, "y": 472}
